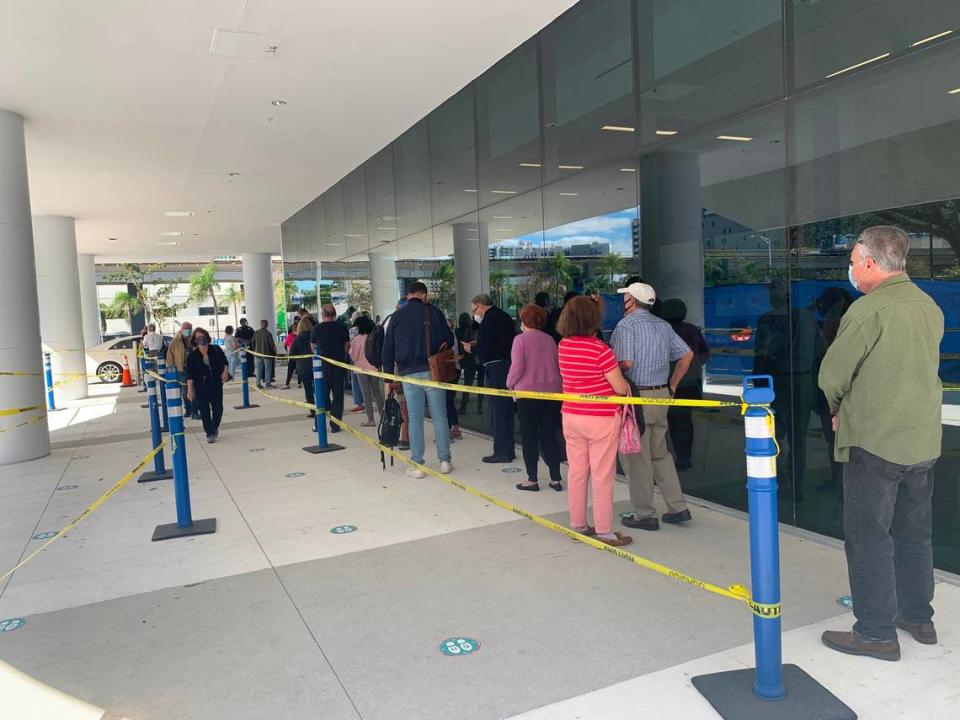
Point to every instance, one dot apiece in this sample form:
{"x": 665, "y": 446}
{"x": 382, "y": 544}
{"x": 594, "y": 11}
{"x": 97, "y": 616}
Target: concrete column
{"x": 89, "y": 304}
{"x": 258, "y": 289}
{"x": 671, "y": 219}
{"x": 20, "y": 348}
{"x": 58, "y": 290}
{"x": 471, "y": 262}
{"x": 385, "y": 290}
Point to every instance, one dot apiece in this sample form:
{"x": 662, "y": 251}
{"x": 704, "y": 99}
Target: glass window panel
{"x": 335, "y": 243}
{"x": 838, "y": 39}
{"x": 508, "y": 131}
{"x": 355, "y": 212}
{"x": 587, "y": 86}
{"x": 453, "y": 169}
{"x": 514, "y": 229}
{"x": 701, "y": 60}
{"x": 381, "y": 204}
{"x": 411, "y": 161}
{"x": 317, "y": 230}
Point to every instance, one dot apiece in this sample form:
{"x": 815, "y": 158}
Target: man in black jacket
{"x": 493, "y": 348}
{"x": 405, "y": 353}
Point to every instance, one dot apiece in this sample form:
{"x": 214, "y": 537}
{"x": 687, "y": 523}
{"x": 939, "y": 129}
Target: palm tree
{"x": 233, "y": 296}
{"x": 498, "y": 281}
{"x": 610, "y": 265}
{"x": 122, "y": 305}
{"x": 205, "y": 283}
{"x": 563, "y": 270}
{"x": 446, "y": 294}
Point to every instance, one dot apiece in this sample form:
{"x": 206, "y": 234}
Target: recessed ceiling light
{"x": 503, "y": 217}
{"x": 618, "y": 128}
{"x": 533, "y": 165}
{"x": 504, "y": 192}
{"x": 628, "y": 169}
{"x": 932, "y": 38}
{"x": 955, "y": 91}
{"x": 503, "y": 229}
{"x": 568, "y": 194}
{"x": 278, "y": 103}
{"x": 468, "y": 190}
{"x": 171, "y": 234}
{"x": 234, "y": 174}
{"x": 386, "y": 228}
{"x": 334, "y": 244}
{"x": 858, "y": 65}
{"x": 178, "y": 213}
{"x": 569, "y": 167}
{"x": 168, "y": 243}
{"x": 667, "y": 132}
{"x": 735, "y": 138}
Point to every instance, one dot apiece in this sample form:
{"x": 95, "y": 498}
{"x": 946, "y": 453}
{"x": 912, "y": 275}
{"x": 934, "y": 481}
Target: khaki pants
{"x": 654, "y": 464}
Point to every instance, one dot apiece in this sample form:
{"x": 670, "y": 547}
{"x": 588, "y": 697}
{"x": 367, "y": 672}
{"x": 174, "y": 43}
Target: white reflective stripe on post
{"x": 173, "y": 393}
{"x": 761, "y": 467}
{"x": 174, "y": 411}
{"x": 756, "y": 427}
{"x": 151, "y": 388}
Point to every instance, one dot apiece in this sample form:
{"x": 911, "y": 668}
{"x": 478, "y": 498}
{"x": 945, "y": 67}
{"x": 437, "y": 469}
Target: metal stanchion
{"x": 185, "y": 524}
{"x": 156, "y": 436}
{"x": 48, "y": 374}
{"x": 162, "y": 372}
{"x": 245, "y": 388}
{"x": 319, "y": 401}
{"x": 762, "y": 693}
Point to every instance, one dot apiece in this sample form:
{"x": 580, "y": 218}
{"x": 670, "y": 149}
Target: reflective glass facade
{"x": 729, "y": 153}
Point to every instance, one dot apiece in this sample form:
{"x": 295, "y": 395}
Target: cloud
{"x": 601, "y": 224}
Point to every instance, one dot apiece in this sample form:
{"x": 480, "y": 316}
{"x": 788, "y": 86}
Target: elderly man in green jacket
{"x": 880, "y": 379}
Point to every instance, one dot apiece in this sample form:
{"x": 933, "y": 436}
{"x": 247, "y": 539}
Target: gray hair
{"x": 482, "y": 299}
{"x": 887, "y": 245}
{"x": 328, "y": 310}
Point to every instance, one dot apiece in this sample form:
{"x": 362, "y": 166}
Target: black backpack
{"x": 389, "y": 430}
{"x": 373, "y": 347}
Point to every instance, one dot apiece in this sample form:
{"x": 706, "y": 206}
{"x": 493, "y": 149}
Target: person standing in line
{"x": 264, "y": 344}
{"x": 206, "y": 374}
{"x": 369, "y": 384}
{"x": 468, "y": 330}
{"x": 288, "y": 341}
{"x": 301, "y": 347}
{"x": 180, "y": 347}
{"x": 331, "y": 340}
{"x": 680, "y": 419}
{"x": 358, "y": 396}
{"x": 152, "y": 341}
{"x": 453, "y": 418}
{"x": 397, "y": 389}
{"x": 492, "y": 348}
{"x": 645, "y": 345}
{"x": 231, "y": 348}
{"x": 592, "y": 430}
{"x": 244, "y": 334}
{"x": 405, "y": 348}
{"x": 880, "y": 377}
{"x": 534, "y": 366}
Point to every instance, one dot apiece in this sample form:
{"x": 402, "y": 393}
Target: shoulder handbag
{"x": 443, "y": 365}
{"x": 631, "y": 435}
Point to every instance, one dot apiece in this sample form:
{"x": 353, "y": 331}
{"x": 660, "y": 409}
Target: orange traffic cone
{"x": 126, "y": 380}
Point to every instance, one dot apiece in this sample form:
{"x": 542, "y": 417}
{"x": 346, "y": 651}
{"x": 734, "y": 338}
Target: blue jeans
{"x": 264, "y": 371}
{"x": 357, "y": 392}
{"x": 233, "y": 363}
{"x": 415, "y": 396}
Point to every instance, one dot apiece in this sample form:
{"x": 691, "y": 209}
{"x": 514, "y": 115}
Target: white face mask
{"x": 478, "y": 317}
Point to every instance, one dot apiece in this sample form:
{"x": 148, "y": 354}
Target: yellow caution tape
{"x": 280, "y": 357}
{"x": 294, "y": 403}
{"x": 29, "y": 421}
{"x": 5, "y": 412}
{"x": 734, "y": 592}
{"x": 86, "y": 513}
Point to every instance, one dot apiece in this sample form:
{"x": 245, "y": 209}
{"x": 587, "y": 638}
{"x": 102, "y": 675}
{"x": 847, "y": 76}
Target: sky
{"x": 612, "y": 228}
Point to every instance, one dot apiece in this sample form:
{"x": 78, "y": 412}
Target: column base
{"x": 172, "y": 530}
{"x": 154, "y": 476}
{"x": 317, "y": 450}
{"x": 731, "y": 695}
{"x": 245, "y": 407}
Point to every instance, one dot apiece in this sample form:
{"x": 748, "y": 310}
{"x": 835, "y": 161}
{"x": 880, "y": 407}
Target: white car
{"x": 106, "y": 359}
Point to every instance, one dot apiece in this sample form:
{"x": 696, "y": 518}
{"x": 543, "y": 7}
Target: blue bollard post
{"x": 761, "y": 693}
{"x": 48, "y": 373}
{"x": 156, "y": 435}
{"x": 244, "y": 387}
{"x": 142, "y": 364}
{"x": 162, "y": 372}
{"x": 185, "y": 524}
{"x": 319, "y": 401}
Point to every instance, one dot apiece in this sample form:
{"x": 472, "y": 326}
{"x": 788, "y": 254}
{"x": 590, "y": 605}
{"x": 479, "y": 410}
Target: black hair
{"x": 417, "y": 288}
{"x": 364, "y": 325}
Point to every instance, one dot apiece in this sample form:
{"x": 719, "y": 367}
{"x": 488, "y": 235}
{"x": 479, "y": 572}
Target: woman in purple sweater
{"x": 534, "y": 366}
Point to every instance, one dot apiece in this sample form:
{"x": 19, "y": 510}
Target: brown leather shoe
{"x": 618, "y": 541}
{"x": 853, "y": 643}
{"x": 924, "y": 633}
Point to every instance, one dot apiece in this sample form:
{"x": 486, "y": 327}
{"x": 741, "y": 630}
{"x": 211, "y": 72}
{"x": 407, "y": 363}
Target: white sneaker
{"x": 415, "y": 472}
{"x": 446, "y": 467}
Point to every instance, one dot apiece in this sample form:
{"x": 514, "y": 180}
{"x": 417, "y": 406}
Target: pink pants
{"x": 591, "y": 451}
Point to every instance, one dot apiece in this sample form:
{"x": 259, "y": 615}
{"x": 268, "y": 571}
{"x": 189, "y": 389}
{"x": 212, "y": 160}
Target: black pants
{"x": 680, "y": 421}
{"x": 291, "y": 366}
{"x": 453, "y": 419}
{"x": 210, "y": 404}
{"x": 305, "y": 376}
{"x": 470, "y": 372}
{"x": 887, "y": 523}
{"x": 501, "y": 410}
{"x": 539, "y": 426}
{"x": 334, "y": 379}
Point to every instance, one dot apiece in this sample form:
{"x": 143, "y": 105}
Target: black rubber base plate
{"x": 731, "y": 694}
{"x": 247, "y": 407}
{"x": 317, "y": 450}
{"x": 154, "y": 476}
{"x": 199, "y": 527}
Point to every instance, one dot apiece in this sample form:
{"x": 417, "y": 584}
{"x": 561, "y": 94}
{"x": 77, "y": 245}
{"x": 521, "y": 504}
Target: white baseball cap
{"x": 641, "y": 292}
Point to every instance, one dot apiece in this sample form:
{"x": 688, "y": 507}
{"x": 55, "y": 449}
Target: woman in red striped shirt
{"x": 592, "y": 430}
